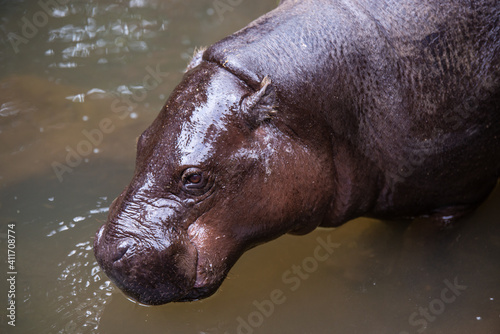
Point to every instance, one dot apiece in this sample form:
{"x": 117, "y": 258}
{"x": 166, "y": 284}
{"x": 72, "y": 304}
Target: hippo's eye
{"x": 193, "y": 179}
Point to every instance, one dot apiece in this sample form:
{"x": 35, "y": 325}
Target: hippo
{"x": 316, "y": 113}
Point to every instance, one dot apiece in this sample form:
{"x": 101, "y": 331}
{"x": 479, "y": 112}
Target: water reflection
{"x": 64, "y": 226}
{"x": 85, "y": 296}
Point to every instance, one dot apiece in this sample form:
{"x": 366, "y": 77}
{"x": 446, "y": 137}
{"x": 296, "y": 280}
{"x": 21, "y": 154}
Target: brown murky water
{"x": 79, "y": 82}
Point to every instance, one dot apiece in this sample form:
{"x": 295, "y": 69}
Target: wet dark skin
{"x": 314, "y": 114}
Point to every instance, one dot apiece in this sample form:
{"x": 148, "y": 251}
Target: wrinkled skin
{"x": 316, "y": 113}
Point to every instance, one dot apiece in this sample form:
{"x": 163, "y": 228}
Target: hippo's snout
{"x": 151, "y": 272}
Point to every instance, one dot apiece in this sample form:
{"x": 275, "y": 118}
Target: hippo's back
{"x": 413, "y": 85}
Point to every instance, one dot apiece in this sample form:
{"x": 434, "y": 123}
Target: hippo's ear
{"x": 196, "y": 60}
{"x": 261, "y": 105}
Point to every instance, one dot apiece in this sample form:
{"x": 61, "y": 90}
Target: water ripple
{"x": 85, "y": 292}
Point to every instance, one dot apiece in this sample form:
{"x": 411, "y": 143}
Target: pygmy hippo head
{"x": 219, "y": 171}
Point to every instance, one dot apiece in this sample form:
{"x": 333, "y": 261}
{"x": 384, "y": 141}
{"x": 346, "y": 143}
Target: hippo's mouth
{"x": 207, "y": 279}
{"x": 202, "y": 288}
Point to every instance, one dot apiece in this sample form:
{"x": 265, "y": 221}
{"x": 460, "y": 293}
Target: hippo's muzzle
{"x": 152, "y": 267}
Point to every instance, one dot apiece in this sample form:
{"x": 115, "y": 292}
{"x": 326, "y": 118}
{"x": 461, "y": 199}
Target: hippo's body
{"x": 314, "y": 114}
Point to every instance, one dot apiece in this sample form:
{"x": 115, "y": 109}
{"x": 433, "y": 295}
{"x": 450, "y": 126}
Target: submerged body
{"x": 314, "y": 114}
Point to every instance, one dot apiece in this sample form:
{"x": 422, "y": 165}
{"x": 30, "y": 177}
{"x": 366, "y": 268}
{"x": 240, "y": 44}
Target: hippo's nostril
{"x": 122, "y": 249}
